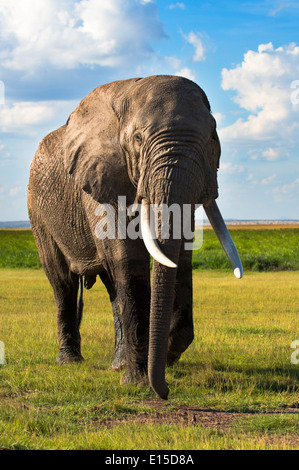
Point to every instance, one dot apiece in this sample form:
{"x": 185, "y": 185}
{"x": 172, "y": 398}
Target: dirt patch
{"x": 161, "y": 413}
{"x": 183, "y": 415}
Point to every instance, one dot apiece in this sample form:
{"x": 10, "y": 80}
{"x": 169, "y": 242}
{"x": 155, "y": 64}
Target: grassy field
{"x": 260, "y": 250}
{"x": 234, "y": 388}
{"x": 18, "y": 249}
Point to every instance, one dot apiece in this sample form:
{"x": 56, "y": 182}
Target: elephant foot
{"x": 172, "y": 357}
{"x": 119, "y": 360}
{"x": 118, "y": 363}
{"x": 139, "y": 378}
{"x": 68, "y": 355}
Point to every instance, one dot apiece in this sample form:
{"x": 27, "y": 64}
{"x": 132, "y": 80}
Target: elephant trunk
{"x": 166, "y": 256}
{"x": 166, "y": 253}
{"x": 162, "y": 299}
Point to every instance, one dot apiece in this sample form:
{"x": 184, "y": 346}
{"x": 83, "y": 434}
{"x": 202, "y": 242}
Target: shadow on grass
{"x": 229, "y": 378}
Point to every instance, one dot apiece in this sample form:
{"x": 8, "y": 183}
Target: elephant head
{"x": 155, "y": 141}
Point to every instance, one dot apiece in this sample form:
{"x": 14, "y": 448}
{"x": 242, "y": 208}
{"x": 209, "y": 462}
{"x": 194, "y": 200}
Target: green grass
{"x": 260, "y": 250}
{"x": 240, "y": 361}
{"x": 18, "y": 249}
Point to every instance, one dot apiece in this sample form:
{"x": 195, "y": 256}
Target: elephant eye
{"x": 138, "y": 138}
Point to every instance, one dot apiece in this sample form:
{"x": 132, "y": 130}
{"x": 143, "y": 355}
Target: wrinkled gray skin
{"x": 153, "y": 139}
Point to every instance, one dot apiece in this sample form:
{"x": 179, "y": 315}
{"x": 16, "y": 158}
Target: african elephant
{"x": 154, "y": 141}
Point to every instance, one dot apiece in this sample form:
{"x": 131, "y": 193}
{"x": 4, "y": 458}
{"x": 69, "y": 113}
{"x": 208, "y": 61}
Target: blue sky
{"x": 245, "y": 55}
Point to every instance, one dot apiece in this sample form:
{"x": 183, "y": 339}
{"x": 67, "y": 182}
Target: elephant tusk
{"x": 218, "y": 224}
{"x": 149, "y": 241}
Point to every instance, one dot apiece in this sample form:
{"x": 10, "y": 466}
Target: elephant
{"x": 152, "y": 140}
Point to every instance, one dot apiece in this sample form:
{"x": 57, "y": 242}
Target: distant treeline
{"x": 205, "y": 222}
{"x": 15, "y": 224}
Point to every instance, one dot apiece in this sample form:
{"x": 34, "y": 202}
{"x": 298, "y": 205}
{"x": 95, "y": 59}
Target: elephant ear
{"x": 93, "y": 154}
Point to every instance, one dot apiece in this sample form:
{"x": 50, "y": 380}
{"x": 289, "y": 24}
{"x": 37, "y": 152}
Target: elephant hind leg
{"x": 69, "y": 315}
{"x": 65, "y": 285}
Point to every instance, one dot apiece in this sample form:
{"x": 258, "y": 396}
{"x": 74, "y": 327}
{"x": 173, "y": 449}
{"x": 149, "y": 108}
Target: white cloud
{"x": 25, "y": 117}
{"x": 286, "y": 193}
{"x": 262, "y": 83}
{"x": 196, "y": 41}
{"x": 229, "y": 167}
{"x": 283, "y": 5}
{"x": 15, "y": 191}
{"x": 219, "y": 117}
{"x": 4, "y": 154}
{"x": 173, "y": 61}
{"x": 268, "y": 179}
{"x": 66, "y": 34}
{"x": 187, "y": 73}
{"x": 251, "y": 179}
{"x": 2, "y": 93}
{"x": 180, "y": 5}
{"x": 291, "y": 187}
{"x": 270, "y": 154}
{"x": 268, "y": 131}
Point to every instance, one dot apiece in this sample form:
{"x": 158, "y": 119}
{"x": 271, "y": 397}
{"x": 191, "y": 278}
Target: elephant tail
{"x": 88, "y": 283}
{"x": 80, "y": 301}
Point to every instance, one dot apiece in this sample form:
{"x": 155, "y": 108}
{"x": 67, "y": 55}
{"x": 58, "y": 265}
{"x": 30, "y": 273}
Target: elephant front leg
{"x": 119, "y": 360}
{"x": 133, "y": 293}
{"x": 181, "y": 328}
